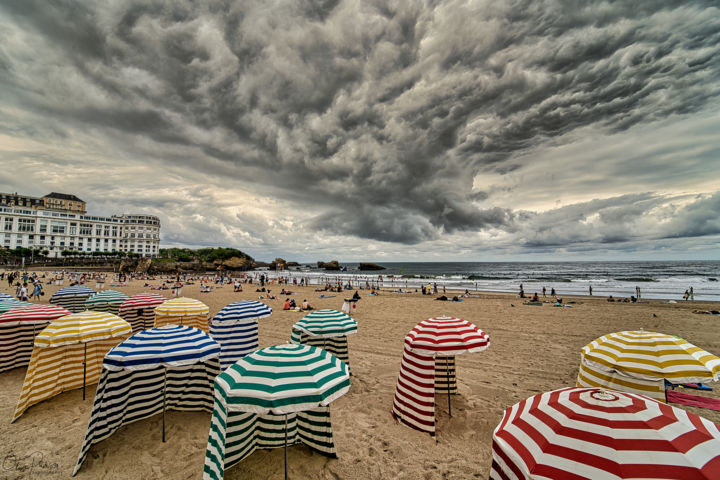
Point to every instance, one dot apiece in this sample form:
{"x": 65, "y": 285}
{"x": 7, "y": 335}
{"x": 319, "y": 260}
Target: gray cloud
{"x": 365, "y": 119}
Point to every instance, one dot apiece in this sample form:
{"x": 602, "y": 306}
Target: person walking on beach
{"x": 544, "y": 291}
{"x": 552, "y": 292}
{"x": 686, "y": 296}
{"x": 692, "y": 294}
{"x": 637, "y": 292}
{"x": 590, "y": 290}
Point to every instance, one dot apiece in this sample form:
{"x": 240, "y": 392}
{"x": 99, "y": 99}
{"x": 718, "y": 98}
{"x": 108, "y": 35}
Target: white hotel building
{"x": 58, "y": 222}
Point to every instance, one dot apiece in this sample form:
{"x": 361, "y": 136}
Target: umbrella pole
{"x": 286, "y": 440}
{"x": 84, "y": 368}
{"x": 164, "y": 401}
{"x": 447, "y": 372}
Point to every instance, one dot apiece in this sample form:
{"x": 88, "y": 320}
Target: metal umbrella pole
{"x": 164, "y": 402}
{"x": 286, "y": 441}
{"x": 447, "y": 373}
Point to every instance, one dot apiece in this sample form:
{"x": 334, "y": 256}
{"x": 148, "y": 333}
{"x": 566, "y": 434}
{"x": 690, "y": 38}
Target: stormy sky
{"x": 375, "y": 130}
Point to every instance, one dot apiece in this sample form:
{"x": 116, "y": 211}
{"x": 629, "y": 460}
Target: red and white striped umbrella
{"x": 428, "y": 367}
{"x": 142, "y": 300}
{"x": 591, "y": 433}
{"x": 41, "y": 313}
{"x": 446, "y": 336}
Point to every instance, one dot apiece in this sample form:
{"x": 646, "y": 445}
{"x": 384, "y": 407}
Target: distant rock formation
{"x": 331, "y": 265}
{"x": 370, "y": 266}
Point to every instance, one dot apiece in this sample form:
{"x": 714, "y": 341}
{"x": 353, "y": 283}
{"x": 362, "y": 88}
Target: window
{"x": 57, "y": 227}
{"x": 114, "y": 231}
{"x": 43, "y": 226}
{"x": 85, "y": 229}
{"x": 98, "y": 230}
{"x": 26, "y": 225}
{"x": 8, "y": 224}
{"x": 106, "y": 230}
{"x": 73, "y": 228}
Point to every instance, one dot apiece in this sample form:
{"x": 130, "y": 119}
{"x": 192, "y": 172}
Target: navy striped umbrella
{"x": 5, "y": 296}
{"x": 73, "y": 298}
{"x": 172, "y": 366}
{"x": 235, "y": 328}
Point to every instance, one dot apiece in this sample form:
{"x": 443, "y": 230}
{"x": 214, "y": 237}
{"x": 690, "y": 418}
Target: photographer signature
{"x": 34, "y": 462}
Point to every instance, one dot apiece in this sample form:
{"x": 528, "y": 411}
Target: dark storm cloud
{"x": 374, "y": 116}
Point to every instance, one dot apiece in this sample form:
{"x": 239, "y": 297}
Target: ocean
{"x": 658, "y": 280}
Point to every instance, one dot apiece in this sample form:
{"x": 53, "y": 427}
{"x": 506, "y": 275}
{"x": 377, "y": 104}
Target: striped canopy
{"x": 446, "y": 336}
{"x": 82, "y": 327}
{"x": 183, "y": 311}
{"x": 41, "y": 313}
{"x": 283, "y": 379}
{"x": 326, "y": 323}
{"x": 236, "y": 313}
{"x": 653, "y": 356}
{"x": 18, "y": 328}
{"x": 235, "y": 328}
{"x": 428, "y": 367}
{"x": 174, "y": 365}
{"x": 590, "y": 433}
{"x": 5, "y": 296}
{"x": 63, "y": 349}
{"x": 255, "y": 396}
{"x": 182, "y": 306}
{"x": 7, "y": 305}
{"x": 139, "y": 310}
{"x": 169, "y": 346}
{"x": 106, "y": 301}
{"x": 142, "y": 300}
{"x": 73, "y": 297}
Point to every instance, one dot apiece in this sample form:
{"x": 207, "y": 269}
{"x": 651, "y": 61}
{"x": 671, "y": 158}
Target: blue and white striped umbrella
{"x": 73, "y": 298}
{"x": 169, "y": 346}
{"x": 235, "y": 327}
{"x": 172, "y": 367}
{"x": 5, "y": 296}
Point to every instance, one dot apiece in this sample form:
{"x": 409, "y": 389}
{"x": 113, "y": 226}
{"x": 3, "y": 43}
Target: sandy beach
{"x": 533, "y": 349}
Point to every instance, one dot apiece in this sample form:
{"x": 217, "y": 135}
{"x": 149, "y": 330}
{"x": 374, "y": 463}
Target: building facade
{"x": 63, "y": 227}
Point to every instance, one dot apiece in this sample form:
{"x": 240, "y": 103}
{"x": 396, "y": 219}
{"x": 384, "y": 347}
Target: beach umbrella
{"x": 591, "y": 433}
{"x": 105, "y": 301}
{"x": 235, "y": 328}
{"x": 7, "y": 305}
{"x": 73, "y": 297}
{"x": 183, "y": 311}
{"x": 327, "y": 329}
{"x": 640, "y": 362}
{"x": 169, "y": 367}
{"x": 278, "y": 380}
{"x": 18, "y": 328}
{"x": 5, "y": 296}
{"x": 78, "y": 339}
{"x": 139, "y": 310}
{"x": 428, "y": 366}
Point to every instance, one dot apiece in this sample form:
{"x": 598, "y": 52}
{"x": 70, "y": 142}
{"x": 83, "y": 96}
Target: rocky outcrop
{"x": 370, "y": 266}
{"x": 331, "y": 265}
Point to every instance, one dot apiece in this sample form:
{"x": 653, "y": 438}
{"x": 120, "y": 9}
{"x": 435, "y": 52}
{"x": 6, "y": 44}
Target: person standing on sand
{"x": 637, "y": 292}
{"x": 544, "y": 291}
{"x": 692, "y": 294}
{"x": 590, "y": 290}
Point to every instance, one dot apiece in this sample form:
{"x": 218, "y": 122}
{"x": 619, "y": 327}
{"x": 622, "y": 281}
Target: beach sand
{"x": 533, "y": 349}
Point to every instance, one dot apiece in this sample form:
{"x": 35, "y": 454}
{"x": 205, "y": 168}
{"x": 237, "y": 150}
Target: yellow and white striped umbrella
{"x": 653, "y": 356}
{"x": 68, "y": 354}
{"x": 183, "y": 311}
{"x": 82, "y": 327}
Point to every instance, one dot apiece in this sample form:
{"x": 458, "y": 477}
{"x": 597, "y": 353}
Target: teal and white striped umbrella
{"x": 283, "y": 379}
{"x": 326, "y": 323}
{"x": 252, "y": 396}
{"x": 7, "y": 305}
{"x": 106, "y": 301}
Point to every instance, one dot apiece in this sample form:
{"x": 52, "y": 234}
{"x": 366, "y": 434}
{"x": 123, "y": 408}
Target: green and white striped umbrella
{"x": 326, "y": 323}
{"x": 106, "y": 301}
{"x": 283, "y": 379}
{"x": 7, "y": 305}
